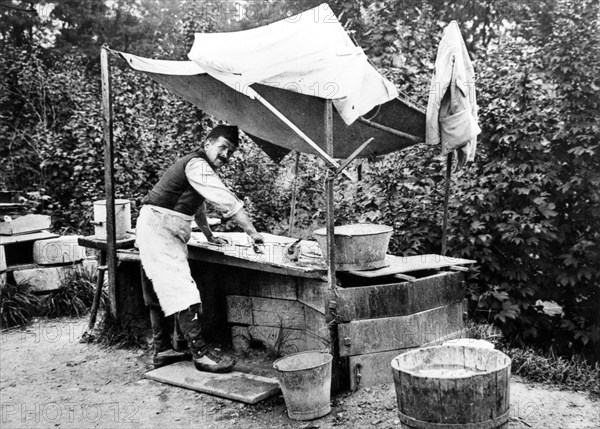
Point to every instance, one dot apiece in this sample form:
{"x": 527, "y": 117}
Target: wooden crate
{"x": 379, "y": 322}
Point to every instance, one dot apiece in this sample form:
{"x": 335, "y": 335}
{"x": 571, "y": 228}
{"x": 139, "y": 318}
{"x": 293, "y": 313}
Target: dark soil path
{"x": 49, "y": 379}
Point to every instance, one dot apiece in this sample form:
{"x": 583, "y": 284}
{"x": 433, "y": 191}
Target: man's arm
{"x": 243, "y": 220}
{"x": 204, "y": 180}
{"x": 202, "y": 222}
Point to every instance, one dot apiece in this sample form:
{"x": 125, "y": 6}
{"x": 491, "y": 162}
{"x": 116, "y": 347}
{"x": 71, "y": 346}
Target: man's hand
{"x": 257, "y": 238}
{"x": 221, "y": 241}
{"x": 258, "y": 243}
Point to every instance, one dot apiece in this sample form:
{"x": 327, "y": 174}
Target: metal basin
{"x": 361, "y": 246}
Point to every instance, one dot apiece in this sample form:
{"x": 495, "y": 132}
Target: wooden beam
{"x": 326, "y": 156}
{"x": 329, "y": 195}
{"x": 398, "y": 133}
{"x": 294, "y": 195}
{"x": 353, "y": 155}
{"x": 446, "y": 199}
{"x": 392, "y": 333}
{"x": 111, "y": 239}
{"x": 399, "y": 299}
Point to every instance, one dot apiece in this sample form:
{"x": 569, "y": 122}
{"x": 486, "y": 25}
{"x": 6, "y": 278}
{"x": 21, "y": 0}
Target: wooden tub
{"x": 452, "y": 387}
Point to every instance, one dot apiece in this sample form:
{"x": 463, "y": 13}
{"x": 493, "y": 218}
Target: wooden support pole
{"x": 323, "y": 154}
{"x": 111, "y": 241}
{"x": 354, "y": 154}
{"x": 446, "y": 200}
{"x": 294, "y": 195}
{"x": 327, "y": 156}
{"x": 393, "y": 131}
{"x": 329, "y": 195}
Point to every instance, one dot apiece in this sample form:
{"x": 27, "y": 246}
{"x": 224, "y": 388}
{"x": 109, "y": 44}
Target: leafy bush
{"x": 528, "y": 209}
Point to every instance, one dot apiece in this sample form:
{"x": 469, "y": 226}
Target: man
{"x": 164, "y": 227}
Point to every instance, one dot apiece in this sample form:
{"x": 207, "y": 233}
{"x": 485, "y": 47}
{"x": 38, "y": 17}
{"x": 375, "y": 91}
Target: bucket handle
{"x": 323, "y": 351}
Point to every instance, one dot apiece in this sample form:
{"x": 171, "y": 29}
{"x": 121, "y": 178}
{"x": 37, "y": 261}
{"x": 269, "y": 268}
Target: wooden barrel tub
{"x": 452, "y": 387}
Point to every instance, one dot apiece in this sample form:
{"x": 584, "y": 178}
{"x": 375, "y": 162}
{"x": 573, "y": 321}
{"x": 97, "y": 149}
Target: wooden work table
{"x": 254, "y": 299}
{"x": 367, "y": 319}
{"x": 240, "y": 253}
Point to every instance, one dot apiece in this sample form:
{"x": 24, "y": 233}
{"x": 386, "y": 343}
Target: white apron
{"x": 162, "y": 237}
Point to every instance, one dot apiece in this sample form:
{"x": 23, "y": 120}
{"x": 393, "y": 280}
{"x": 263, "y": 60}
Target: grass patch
{"x": 18, "y": 305}
{"x": 73, "y": 298}
{"x": 110, "y": 333}
{"x": 543, "y": 366}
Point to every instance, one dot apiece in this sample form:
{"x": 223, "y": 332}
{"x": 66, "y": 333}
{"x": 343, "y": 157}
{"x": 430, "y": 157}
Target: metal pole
{"x": 294, "y": 192}
{"x": 111, "y": 241}
{"x": 329, "y": 195}
{"x": 446, "y": 199}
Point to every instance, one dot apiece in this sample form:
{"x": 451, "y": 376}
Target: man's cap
{"x": 230, "y": 132}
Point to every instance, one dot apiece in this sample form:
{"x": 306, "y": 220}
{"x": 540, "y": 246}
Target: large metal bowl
{"x": 361, "y": 246}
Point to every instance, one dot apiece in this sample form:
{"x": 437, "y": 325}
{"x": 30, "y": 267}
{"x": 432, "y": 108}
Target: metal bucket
{"x": 122, "y": 219}
{"x": 360, "y": 246}
{"x": 305, "y": 381}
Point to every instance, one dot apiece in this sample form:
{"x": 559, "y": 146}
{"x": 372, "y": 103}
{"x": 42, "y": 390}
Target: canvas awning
{"x": 294, "y": 66}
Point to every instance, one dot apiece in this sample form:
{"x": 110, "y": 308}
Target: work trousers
{"x": 178, "y": 331}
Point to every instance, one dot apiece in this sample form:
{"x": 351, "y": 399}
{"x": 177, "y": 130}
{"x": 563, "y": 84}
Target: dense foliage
{"x": 527, "y": 209}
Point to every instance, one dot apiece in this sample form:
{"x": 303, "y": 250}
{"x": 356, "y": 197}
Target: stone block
{"x": 239, "y": 309}
{"x": 240, "y": 338}
{"x": 282, "y": 341}
{"x": 2, "y": 260}
{"x": 23, "y": 224}
{"x": 235, "y": 385}
{"x": 61, "y": 250}
{"x": 90, "y": 265}
{"x": 45, "y": 278}
{"x": 277, "y": 313}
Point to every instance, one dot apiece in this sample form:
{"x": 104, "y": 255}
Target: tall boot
{"x": 178, "y": 339}
{"x": 164, "y": 354}
{"x": 205, "y": 358}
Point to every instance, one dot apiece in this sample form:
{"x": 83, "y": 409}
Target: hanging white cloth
{"x": 452, "y": 106}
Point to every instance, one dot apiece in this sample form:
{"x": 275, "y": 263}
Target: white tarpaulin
{"x": 309, "y": 53}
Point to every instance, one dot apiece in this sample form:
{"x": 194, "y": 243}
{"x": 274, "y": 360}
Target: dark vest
{"x": 173, "y": 191}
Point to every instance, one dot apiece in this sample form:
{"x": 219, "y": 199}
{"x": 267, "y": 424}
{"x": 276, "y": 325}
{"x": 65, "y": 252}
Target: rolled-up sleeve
{"x": 206, "y": 182}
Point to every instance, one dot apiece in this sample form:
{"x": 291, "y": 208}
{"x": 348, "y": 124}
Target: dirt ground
{"x": 49, "y": 379}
